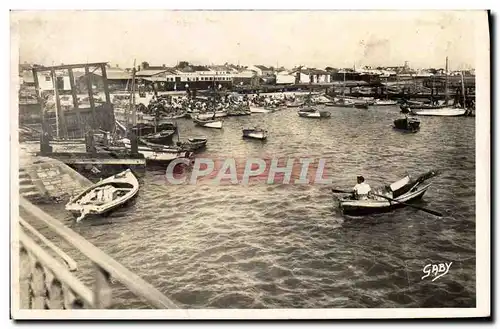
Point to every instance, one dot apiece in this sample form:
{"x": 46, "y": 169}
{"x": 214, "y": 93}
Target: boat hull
{"x": 258, "y": 110}
{"x": 160, "y": 154}
{"x": 248, "y": 133}
{"x": 124, "y": 179}
{"x": 367, "y": 207}
{"x": 410, "y": 125}
{"x": 208, "y": 116}
{"x": 209, "y": 124}
{"x": 385, "y": 103}
{"x": 314, "y": 115}
{"x": 441, "y": 112}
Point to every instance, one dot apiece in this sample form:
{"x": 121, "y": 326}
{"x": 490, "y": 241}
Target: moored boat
{"x": 194, "y": 143}
{"x": 385, "y": 102}
{"x": 407, "y": 124}
{"x": 211, "y": 115}
{"x": 404, "y": 190}
{"x": 254, "y": 109}
{"x": 255, "y": 133}
{"x": 441, "y": 112}
{"x": 217, "y": 124}
{"x": 313, "y": 113}
{"x": 162, "y": 137}
{"x": 159, "y": 154}
{"x": 104, "y": 196}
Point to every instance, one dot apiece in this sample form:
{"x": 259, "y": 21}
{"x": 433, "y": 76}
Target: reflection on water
{"x": 282, "y": 246}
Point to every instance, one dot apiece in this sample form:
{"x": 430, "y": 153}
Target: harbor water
{"x": 288, "y": 246}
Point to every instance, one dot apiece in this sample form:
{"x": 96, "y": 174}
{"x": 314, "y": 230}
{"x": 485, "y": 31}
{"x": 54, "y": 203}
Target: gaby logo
{"x": 436, "y": 270}
{"x": 234, "y": 171}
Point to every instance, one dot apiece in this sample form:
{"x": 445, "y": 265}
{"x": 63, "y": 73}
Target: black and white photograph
{"x": 250, "y": 164}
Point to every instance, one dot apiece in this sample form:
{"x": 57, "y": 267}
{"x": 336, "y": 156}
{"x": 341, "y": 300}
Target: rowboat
{"x": 162, "y": 137}
{"x": 208, "y": 116}
{"x": 407, "y": 124}
{"x": 385, "y": 102}
{"x": 254, "y": 109}
{"x": 313, "y": 113}
{"x": 194, "y": 143}
{"x": 217, "y": 124}
{"x": 158, "y": 154}
{"x": 442, "y": 112}
{"x": 255, "y": 133}
{"x": 403, "y": 190}
{"x": 348, "y": 104}
{"x": 105, "y": 196}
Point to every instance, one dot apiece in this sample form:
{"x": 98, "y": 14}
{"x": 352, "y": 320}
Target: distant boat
{"x": 194, "y": 143}
{"x": 313, "y": 113}
{"x": 158, "y": 153}
{"x": 407, "y": 124}
{"x": 162, "y": 137}
{"x": 104, "y": 196}
{"x": 205, "y": 116}
{"x": 238, "y": 112}
{"x": 442, "y": 112}
{"x": 217, "y": 124}
{"x": 254, "y": 109}
{"x": 385, "y": 102}
{"x": 255, "y": 133}
{"x": 348, "y": 104}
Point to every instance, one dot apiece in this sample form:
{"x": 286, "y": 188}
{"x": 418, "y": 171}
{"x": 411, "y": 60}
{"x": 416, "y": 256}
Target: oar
{"x": 340, "y": 191}
{"x": 435, "y": 213}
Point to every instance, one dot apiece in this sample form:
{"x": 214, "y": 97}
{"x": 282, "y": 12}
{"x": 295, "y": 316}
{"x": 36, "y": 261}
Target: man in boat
{"x": 361, "y": 189}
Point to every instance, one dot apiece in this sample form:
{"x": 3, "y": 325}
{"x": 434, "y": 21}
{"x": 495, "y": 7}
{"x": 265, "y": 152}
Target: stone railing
{"x": 48, "y": 283}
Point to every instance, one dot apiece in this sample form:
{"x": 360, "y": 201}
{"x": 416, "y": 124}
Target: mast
{"x": 446, "y": 83}
{"x": 132, "y": 100}
{"x": 463, "y": 86}
{"x": 343, "y": 87}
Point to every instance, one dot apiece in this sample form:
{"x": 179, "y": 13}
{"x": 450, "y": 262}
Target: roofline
{"x": 69, "y": 66}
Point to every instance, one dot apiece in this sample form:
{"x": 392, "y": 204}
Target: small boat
{"x": 385, "y": 102}
{"x": 193, "y": 144}
{"x": 217, "y": 124}
{"x": 144, "y": 129}
{"x": 238, "y": 112}
{"x": 162, "y": 137}
{"x": 441, "y": 112}
{"x": 105, "y": 196}
{"x": 362, "y": 106}
{"x": 407, "y": 124}
{"x": 313, "y": 113}
{"x": 295, "y": 104}
{"x": 404, "y": 190}
{"x": 254, "y": 109}
{"x": 207, "y": 116}
{"x": 160, "y": 154}
{"x": 255, "y": 133}
{"x": 347, "y": 103}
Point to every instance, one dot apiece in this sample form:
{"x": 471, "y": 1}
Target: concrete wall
{"x": 48, "y": 178}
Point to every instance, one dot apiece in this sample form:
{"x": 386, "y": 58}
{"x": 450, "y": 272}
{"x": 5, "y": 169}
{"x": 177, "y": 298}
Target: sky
{"x": 284, "y": 38}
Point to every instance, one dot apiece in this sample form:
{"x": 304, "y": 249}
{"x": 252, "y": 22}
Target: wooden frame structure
{"x": 98, "y": 120}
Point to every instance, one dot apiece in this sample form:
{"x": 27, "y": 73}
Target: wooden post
{"x": 58, "y": 104}
{"x": 43, "y": 140}
{"x": 105, "y": 83}
{"x": 91, "y": 96}
{"x": 75, "y": 100}
{"x": 73, "y": 88}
